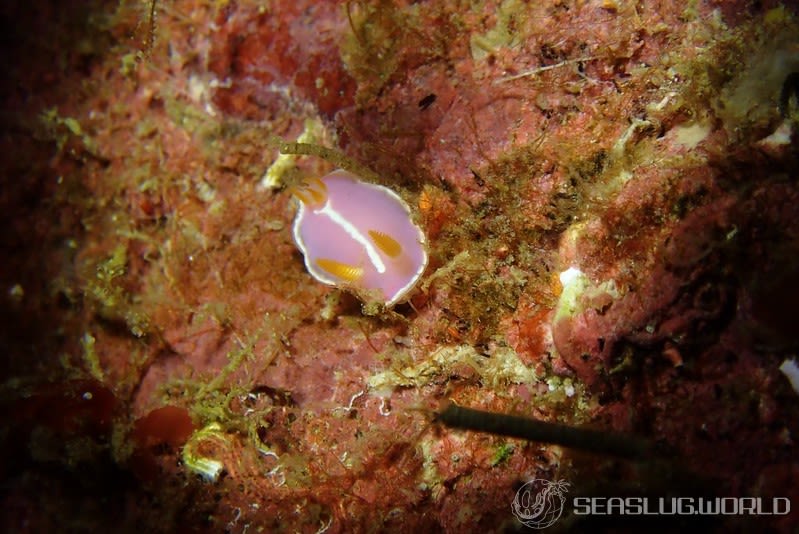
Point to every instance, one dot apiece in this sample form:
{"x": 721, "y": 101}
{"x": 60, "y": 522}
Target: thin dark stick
{"x": 515, "y": 426}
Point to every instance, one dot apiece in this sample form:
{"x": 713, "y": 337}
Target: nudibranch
{"x": 359, "y": 236}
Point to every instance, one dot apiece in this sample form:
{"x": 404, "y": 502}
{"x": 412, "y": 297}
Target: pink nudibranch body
{"x": 360, "y": 236}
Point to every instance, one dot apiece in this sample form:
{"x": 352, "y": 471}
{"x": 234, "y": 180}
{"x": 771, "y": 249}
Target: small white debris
{"x": 780, "y": 137}
{"x": 569, "y": 275}
{"x": 568, "y": 388}
{"x": 691, "y": 135}
{"x": 574, "y": 283}
{"x": 791, "y": 371}
{"x": 208, "y": 469}
{"x": 16, "y": 292}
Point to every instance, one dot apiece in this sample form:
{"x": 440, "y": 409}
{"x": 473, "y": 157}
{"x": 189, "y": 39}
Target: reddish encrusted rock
{"x": 265, "y": 58}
